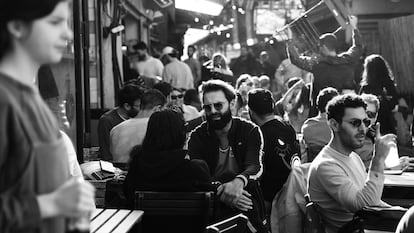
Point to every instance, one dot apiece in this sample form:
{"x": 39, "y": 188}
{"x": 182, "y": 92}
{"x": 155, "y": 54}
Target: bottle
{"x": 313, "y": 223}
{"x": 79, "y": 225}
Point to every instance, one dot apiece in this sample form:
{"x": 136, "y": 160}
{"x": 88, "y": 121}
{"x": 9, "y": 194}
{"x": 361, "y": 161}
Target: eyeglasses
{"x": 357, "y": 122}
{"x": 372, "y": 114}
{"x": 179, "y": 96}
{"x": 218, "y": 106}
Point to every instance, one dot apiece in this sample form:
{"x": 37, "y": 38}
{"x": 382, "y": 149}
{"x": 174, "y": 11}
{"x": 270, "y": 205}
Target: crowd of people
{"x": 244, "y": 121}
{"x": 233, "y": 129}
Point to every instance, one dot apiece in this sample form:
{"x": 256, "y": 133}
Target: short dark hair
{"x": 329, "y": 40}
{"x": 24, "y": 10}
{"x": 129, "y": 94}
{"x": 140, "y": 46}
{"x": 219, "y": 85}
{"x": 164, "y": 87}
{"x": 165, "y": 131}
{"x": 191, "y": 95}
{"x": 192, "y": 47}
{"x": 336, "y": 107}
{"x": 152, "y": 98}
{"x": 261, "y": 101}
{"x": 324, "y": 96}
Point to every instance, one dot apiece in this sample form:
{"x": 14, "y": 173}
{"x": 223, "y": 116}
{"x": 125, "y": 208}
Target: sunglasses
{"x": 218, "y": 106}
{"x": 371, "y": 114}
{"x": 174, "y": 97}
{"x": 356, "y": 123}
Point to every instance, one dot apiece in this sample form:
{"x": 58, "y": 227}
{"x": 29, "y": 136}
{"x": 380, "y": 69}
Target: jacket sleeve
{"x": 195, "y": 146}
{"x": 253, "y": 166}
{"x": 355, "y": 51}
{"x": 19, "y": 208}
{"x": 303, "y": 62}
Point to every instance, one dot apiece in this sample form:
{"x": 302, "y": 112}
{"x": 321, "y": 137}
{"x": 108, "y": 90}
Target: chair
{"x": 235, "y": 224}
{"x": 173, "y": 210}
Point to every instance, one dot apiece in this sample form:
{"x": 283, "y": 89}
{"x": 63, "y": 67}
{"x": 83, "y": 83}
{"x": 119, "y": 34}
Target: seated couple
{"x": 223, "y": 149}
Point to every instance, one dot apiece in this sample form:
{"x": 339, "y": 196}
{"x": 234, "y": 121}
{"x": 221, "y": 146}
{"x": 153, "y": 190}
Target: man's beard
{"x": 132, "y": 113}
{"x": 141, "y": 57}
{"x": 220, "y": 123}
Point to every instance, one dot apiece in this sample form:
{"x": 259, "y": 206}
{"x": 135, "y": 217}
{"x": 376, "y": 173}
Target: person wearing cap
{"x": 329, "y": 68}
{"x": 280, "y": 143}
{"x": 176, "y": 72}
{"x": 232, "y": 148}
{"x": 148, "y": 67}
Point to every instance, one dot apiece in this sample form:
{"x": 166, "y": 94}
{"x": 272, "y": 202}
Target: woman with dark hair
{"x": 36, "y": 192}
{"x": 160, "y": 163}
{"x": 377, "y": 79}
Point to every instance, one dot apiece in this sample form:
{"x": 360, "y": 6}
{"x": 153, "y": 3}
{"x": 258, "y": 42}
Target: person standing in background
{"x": 149, "y": 68}
{"x": 176, "y": 72}
{"x": 194, "y": 65}
{"x": 36, "y": 191}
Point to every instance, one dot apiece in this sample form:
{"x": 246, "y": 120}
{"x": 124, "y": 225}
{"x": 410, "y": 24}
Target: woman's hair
{"x": 165, "y": 131}
{"x": 376, "y": 71}
{"x": 219, "y": 61}
{"x": 24, "y": 10}
{"x": 242, "y": 78}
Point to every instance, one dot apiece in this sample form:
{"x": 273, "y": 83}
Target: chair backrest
{"x": 234, "y": 224}
{"x": 175, "y": 203}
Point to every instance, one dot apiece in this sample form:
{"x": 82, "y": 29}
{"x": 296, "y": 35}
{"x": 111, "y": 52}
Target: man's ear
{"x": 333, "y": 124}
{"x": 126, "y": 106}
{"x": 233, "y": 104}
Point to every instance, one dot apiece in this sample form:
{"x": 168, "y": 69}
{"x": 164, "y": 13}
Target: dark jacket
{"x": 164, "y": 171}
{"x": 337, "y": 71}
{"x": 245, "y": 140}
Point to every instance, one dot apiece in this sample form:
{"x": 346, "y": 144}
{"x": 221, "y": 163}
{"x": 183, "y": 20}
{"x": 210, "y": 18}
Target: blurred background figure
{"x": 176, "y": 72}
{"x": 194, "y": 65}
{"x": 148, "y": 67}
{"x": 378, "y": 79}
{"x": 295, "y": 104}
{"x": 264, "y": 81}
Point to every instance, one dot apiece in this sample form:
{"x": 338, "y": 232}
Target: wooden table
{"x": 114, "y": 220}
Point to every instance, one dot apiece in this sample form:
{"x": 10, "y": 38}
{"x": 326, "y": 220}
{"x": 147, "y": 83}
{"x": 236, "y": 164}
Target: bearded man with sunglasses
{"x": 232, "y": 148}
{"x": 338, "y": 182}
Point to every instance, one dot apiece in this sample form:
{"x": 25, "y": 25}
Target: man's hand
{"x": 353, "y": 21}
{"x": 231, "y": 191}
{"x": 244, "y": 203}
{"x": 73, "y": 199}
{"x": 383, "y": 143}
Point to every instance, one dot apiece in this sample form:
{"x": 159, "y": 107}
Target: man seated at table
{"x": 338, "y": 182}
{"x": 131, "y": 132}
{"x": 232, "y": 148}
{"x": 316, "y": 132}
